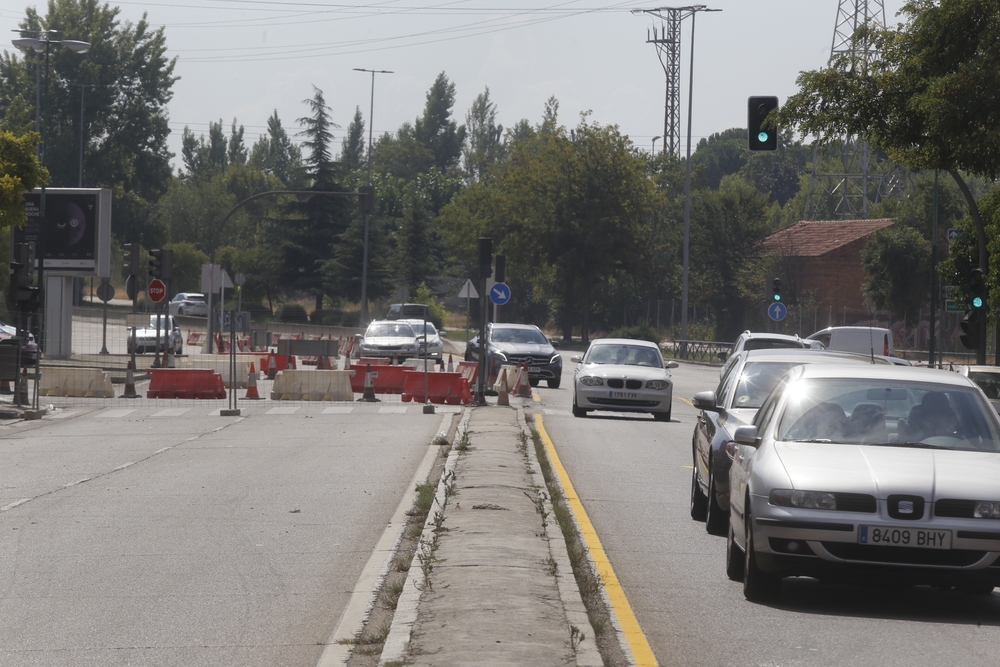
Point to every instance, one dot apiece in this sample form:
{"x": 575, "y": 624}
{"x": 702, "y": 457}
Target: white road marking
{"x": 113, "y": 414}
{"x": 282, "y": 411}
{"x": 338, "y": 411}
{"x": 172, "y": 412}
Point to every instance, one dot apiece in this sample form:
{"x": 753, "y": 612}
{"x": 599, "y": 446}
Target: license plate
{"x": 889, "y": 536}
{"x": 622, "y": 394}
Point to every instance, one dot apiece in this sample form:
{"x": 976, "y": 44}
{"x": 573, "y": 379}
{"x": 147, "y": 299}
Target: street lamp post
{"x": 83, "y": 87}
{"x": 652, "y": 150}
{"x": 364, "y": 257}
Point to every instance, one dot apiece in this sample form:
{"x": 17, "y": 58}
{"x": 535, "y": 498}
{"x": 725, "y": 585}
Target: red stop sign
{"x": 156, "y": 290}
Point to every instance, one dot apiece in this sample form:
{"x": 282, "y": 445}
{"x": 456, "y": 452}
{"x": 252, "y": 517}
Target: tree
{"x": 897, "y": 260}
{"x": 436, "y": 130}
{"x": 484, "y": 147}
{"x": 275, "y": 154}
{"x": 352, "y": 151}
{"x": 20, "y": 172}
{"x": 125, "y": 112}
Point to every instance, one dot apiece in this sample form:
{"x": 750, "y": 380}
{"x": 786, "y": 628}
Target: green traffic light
{"x": 977, "y": 302}
{"x": 777, "y": 297}
{"x": 762, "y": 137}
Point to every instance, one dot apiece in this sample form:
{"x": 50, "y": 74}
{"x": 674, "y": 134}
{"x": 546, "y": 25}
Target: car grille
{"x": 904, "y": 555}
{"x": 954, "y": 508}
{"x": 387, "y": 348}
{"x": 855, "y": 502}
{"x": 531, "y": 360}
{"x": 615, "y": 383}
{"x": 624, "y": 402}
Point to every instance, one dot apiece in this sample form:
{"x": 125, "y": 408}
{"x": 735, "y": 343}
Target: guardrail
{"x": 697, "y": 350}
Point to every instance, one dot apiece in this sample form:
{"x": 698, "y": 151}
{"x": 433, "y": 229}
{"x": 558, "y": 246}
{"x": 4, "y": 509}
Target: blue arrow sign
{"x": 500, "y": 294}
{"x": 777, "y": 311}
{"x": 954, "y": 235}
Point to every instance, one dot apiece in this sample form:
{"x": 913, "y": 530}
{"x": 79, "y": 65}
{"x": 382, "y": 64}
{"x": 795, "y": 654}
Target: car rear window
{"x": 771, "y": 344}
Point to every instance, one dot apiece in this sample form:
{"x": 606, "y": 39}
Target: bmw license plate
{"x": 921, "y": 538}
{"x": 623, "y": 394}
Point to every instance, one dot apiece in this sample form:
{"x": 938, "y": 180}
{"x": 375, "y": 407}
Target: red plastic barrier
{"x": 385, "y": 379}
{"x": 374, "y": 361}
{"x": 185, "y": 383}
{"x": 280, "y": 362}
{"x": 469, "y": 370}
{"x": 450, "y": 388}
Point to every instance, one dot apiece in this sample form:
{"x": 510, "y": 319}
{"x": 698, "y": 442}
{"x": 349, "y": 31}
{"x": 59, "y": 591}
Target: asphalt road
{"x": 157, "y": 536}
{"x": 633, "y": 476}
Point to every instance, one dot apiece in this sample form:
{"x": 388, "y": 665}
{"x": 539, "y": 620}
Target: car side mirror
{"x": 722, "y": 355}
{"x": 705, "y": 400}
{"x": 747, "y": 435}
{"x": 673, "y": 364}
{"x": 554, "y": 343}
{"x": 576, "y": 360}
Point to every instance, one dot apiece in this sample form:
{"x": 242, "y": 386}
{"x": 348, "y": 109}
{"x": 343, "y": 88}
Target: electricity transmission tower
{"x": 865, "y": 176}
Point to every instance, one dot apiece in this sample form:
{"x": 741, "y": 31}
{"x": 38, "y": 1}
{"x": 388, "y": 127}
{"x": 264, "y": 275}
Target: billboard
{"x": 74, "y": 236}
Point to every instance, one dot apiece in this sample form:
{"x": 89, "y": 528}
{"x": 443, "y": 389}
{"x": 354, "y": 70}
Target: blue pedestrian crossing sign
{"x": 500, "y": 294}
{"x": 777, "y": 311}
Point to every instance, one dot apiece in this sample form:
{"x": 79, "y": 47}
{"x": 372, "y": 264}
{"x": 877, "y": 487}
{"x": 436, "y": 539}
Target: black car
{"x": 745, "y": 384}
{"x": 518, "y": 343}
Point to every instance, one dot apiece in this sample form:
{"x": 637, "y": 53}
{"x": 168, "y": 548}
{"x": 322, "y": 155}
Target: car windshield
{"x": 398, "y": 329}
{"x": 771, "y": 344}
{"x": 628, "y": 355}
{"x": 419, "y": 329}
{"x": 152, "y": 321}
{"x": 888, "y": 413}
{"x": 988, "y": 382}
{"x": 505, "y": 335}
{"x": 757, "y": 380}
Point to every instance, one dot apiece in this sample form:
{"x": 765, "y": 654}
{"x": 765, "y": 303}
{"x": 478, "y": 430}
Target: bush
{"x": 641, "y": 331}
{"x": 293, "y": 312}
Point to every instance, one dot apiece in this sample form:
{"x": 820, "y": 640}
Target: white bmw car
{"x": 864, "y": 474}
{"x": 623, "y": 375}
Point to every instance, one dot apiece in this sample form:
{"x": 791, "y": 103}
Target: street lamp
{"x": 364, "y": 258}
{"x": 652, "y": 150}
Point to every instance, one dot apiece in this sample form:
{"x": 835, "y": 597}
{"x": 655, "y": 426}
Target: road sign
{"x": 954, "y": 235}
{"x": 952, "y": 306}
{"x": 777, "y": 311}
{"x": 500, "y": 294}
{"x": 105, "y": 292}
{"x": 468, "y": 291}
{"x": 156, "y": 290}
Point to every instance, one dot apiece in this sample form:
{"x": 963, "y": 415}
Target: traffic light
{"x": 970, "y": 330}
{"x": 366, "y": 199}
{"x": 485, "y": 256}
{"x": 761, "y": 138}
{"x": 777, "y": 289}
{"x": 160, "y": 263}
{"x": 132, "y": 251}
{"x": 23, "y": 293}
{"x": 977, "y": 291}
{"x": 500, "y": 269}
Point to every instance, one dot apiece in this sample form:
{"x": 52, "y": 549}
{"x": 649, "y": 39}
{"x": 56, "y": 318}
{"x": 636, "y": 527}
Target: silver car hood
{"x": 390, "y": 340}
{"x": 881, "y": 471}
{"x": 625, "y": 371}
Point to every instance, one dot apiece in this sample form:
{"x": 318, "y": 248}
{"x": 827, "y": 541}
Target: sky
{"x": 245, "y": 59}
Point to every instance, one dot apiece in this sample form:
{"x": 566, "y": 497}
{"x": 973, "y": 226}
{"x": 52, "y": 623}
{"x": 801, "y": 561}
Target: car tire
{"x": 758, "y": 586}
{"x": 734, "y": 557}
{"x": 577, "y": 410}
{"x": 716, "y": 521}
{"x": 975, "y": 589}
{"x": 554, "y": 383}
{"x": 533, "y": 383}
{"x": 661, "y": 416}
{"x": 699, "y": 503}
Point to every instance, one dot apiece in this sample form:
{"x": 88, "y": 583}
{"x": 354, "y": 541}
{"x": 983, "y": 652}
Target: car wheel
{"x": 716, "y": 520}
{"x": 975, "y": 589}
{"x": 577, "y": 410}
{"x": 698, "y": 500}
{"x": 180, "y": 311}
{"x": 734, "y": 557}
{"x": 661, "y": 416}
{"x": 758, "y": 586}
{"x": 533, "y": 383}
{"x": 554, "y": 383}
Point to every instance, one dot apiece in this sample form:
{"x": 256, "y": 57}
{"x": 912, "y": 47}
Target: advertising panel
{"x": 73, "y": 238}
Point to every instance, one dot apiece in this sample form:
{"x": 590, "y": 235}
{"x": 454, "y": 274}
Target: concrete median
{"x": 76, "y": 382}
{"x": 310, "y": 385}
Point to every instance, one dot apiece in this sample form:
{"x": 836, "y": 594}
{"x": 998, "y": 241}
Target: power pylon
{"x": 865, "y": 175}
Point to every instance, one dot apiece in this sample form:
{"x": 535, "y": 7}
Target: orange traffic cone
{"x": 129, "y": 383}
{"x": 502, "y": 395}
{"x": 252, "y": 384}
{"x": 272, "y": 366}
{"x": 291, "y": 362}
{"x": 369, "y": 395}
{"x": 441, "y": 364}
{"x": 451, "y": 366}
{"x": 524, "y": 386}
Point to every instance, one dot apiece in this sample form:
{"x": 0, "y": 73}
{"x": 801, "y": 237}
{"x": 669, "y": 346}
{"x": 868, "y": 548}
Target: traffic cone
{"x": 441, "y": 364}
{"x": 451, "y": 366}
{"x": 369, "y": 395}
{"x": 170, "y": 358}
{"x": 502, "y": 397}
{"x": 252, "y": 384}
{"x": 272, "y": 366}
{"x": 291, "y": 362}
{"x": 129, "y": 382}
{"x": 524, "y": 387}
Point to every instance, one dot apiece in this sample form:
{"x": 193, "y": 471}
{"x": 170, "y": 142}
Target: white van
{"x": 863, "y": 340}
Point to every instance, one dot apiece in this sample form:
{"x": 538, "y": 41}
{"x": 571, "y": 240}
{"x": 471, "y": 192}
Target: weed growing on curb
{"x": 539, "y": 502}
{"x": 389, "y": 597}
{"x": 522, "y": 442}
{"x": 552, "y": 566}
{"x": 425, "y": 554}
{"x": 425, "y": 497}
{"x": 463, "y": 444}
{"x": 449, "y": 488}
{"x": 575, "y": 636}
{"x": 438, "y": 520}
{"x": 400, "y": 564}
{"x": 366, "y": 639}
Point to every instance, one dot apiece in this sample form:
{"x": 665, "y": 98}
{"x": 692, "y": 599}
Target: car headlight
{"x": 657, "y": 384}
{"x": 500, "y": 356}
{"x": 556, "y": 359}
{"x": 591, "y": 381}
{"x": 813, "y": 500}
{"x": 987, "y": 509}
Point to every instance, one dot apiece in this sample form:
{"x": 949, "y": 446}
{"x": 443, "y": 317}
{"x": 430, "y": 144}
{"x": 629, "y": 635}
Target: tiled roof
{"x": 814, "y": 238}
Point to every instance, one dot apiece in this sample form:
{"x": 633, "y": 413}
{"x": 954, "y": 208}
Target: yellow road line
{"x": 681, "y": 398}
{"x": 641, "y": 651}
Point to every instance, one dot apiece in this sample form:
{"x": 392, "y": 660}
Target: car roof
{"x": 509, "y": 325}
{"x": 410, "y": 320}
{"x": 982, "y": 369}
{"x": 747, "y": 335}
{"x": 807, "y": 355}
{"x": 624, "y": 341}
{"x": 889, "y": 372}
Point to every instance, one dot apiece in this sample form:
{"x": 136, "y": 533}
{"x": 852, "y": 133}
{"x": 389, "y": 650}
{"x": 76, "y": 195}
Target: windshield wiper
{"x": 916, "y": 445}
{"x": 814, "y": 440}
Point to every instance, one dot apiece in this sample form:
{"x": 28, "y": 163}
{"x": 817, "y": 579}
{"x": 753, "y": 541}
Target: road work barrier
{"x": 310, "y": 385}
{"x": 86, "y": 382}
{"x": 221, "y": 366}
{"x": 511, "y": 374}
{"x": 385, "y": 379}
{"x": 184, "y": 383}
{"x": 445, "y": 387}
{"x": 469, "y": 370}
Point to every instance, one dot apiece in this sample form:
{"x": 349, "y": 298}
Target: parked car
{"x": 750, "y": 340}
{"x": 146, "y": 337}
{"x": 986, "y": 378}
{"x": 867, "y": 473}
{"x": 384, "y": 338}
{"x": 7, "y": 331}
{"x": 517, "y": 343}
{"x": 748, "y": 381}
{"x": 863, "y": 340}
{"x": 433, "y": 348}
{"x": 189, "y": 303}
{"x": 623, "y": 375}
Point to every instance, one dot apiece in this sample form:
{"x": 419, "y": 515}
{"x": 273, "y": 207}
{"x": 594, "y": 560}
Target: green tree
{"x": 275, "y": 154}
{"x": 897, "y": 260}
{"x": 484, "y": 147}
{"x": 436, "y": 130}
{"x": 352, "y": 150}
{"x": 20, "y": 172}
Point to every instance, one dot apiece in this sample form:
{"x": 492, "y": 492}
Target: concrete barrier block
{"x": 310, "y": 385}
{"x": 220, "y": 364}
{"x": 76, "y": 382}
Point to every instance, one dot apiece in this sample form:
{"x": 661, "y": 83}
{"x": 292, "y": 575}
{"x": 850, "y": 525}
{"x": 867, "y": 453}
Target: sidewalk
{"x": 491, "y": 583}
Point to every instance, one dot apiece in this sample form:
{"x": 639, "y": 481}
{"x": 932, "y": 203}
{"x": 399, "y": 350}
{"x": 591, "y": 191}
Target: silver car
{"x": 189, "y": 303}
{"x": 623, "y": 375}
{"x": 433, "y": 348}
{"x": 146, "y": 337}
{"x": 389, "y": 338}
{"x": 866, "y": 474}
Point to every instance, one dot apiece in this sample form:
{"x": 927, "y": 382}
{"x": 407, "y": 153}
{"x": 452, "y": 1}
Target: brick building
{"x": 821, "y": 266}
